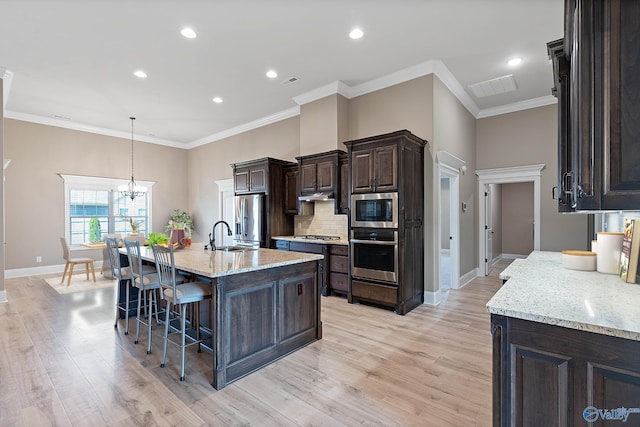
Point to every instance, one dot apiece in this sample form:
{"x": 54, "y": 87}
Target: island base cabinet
{"x": 261, "y": 316}
{"x": 546, "y": 375}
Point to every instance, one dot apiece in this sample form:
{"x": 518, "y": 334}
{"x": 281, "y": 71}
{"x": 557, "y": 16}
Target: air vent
{"x": 290, "y": 80}
{"x": 494, "y": 86}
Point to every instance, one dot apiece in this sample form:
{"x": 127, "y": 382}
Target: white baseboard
{"x": 3, "y": 296}
{"x": 47, "y": 269}
{"x": 466, "y": 278}
{"x": 512, "y": 256}
{"x": 432, "y": 298}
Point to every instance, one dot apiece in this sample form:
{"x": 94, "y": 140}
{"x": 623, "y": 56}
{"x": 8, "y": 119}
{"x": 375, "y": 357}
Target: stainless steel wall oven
{"x": 374, "y": 254}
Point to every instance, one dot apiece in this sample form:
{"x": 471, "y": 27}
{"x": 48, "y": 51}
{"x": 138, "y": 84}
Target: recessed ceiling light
{"x": 514, "y": 62}
{"x": 356, "y": 33}
{"x": 217, "y": 100}
{"x": 140, "y": 74}
{"x": 272, "y": 74}
{"x": 188, "y": 33}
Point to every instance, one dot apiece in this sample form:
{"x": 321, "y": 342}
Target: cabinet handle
{"x": 553, "y": 192}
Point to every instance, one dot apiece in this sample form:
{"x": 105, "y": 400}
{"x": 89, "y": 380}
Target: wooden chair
{"x": 180, "y": 296}
{"x": 88, "y": 262}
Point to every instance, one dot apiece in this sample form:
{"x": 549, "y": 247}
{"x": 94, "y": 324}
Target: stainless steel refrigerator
{"x": 249, "y": 220}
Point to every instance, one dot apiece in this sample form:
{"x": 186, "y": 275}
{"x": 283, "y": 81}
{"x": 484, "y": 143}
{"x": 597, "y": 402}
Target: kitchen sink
{"x": 235, "y": 248}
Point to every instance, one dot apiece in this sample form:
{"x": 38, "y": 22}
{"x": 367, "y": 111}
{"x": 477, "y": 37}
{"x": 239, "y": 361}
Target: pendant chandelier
{"x": 132, "y": 189}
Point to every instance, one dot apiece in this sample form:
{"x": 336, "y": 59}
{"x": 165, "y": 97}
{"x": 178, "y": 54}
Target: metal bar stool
{"x": 146, "y": 280}
{"x": 179, "y": 295}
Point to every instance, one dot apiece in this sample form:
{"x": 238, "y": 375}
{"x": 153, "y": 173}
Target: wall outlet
{"x": 38, "y": 259}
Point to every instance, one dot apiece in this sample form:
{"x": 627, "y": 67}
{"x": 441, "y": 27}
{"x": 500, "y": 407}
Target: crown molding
{"x": 273, "y": 118}
{"x": 49, "y": 121}
{"x": 517, "y": 106}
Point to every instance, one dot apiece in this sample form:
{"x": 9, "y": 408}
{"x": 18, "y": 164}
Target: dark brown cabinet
{"x": 599, "y": 105}
{"x": 338, "y": 269}
{"x": 266, "y": 176}
{"x": 250, "y": 179}
{"x": 546, "y": 375}
{"x": 343, "y": 206}
{"x": 375, "y": 169}
{"x": 319, "y": 172}
{"x": 310, "y": 248}
{"x": 291, "y": 190}
{"x": 393, "y": 163}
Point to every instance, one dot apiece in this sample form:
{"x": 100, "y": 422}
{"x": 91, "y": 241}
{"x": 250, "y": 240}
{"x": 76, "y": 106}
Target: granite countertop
{"x": 540, "y": 289}
{"x": 318, "y": 241}
{"x": 212, "y": 264}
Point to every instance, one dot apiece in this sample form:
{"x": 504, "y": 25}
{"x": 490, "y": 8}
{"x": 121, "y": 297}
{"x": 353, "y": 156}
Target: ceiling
{"x": 70, "y": 63}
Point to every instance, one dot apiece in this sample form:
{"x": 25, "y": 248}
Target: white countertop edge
{"x": 580, "y": 326}
{"x": 316, "y": 241}
{"x": 540, "y": 289}
{"x": 208, "y": 274}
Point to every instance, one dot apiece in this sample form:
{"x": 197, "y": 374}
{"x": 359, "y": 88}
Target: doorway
{"x": 226, "y": 204}
{"x": 509, "y": 175}
{"x": 448, "y": 200}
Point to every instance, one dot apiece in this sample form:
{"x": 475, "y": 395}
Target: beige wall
{"x": 212, "y": 162}
{"x": 517, "y": 218}
{"x": 323, "y": 125}
{"x": 407, "y": 105}
{"x": 530, "y": 137}
{"x": 454, "y": 132}
{"x": 34, "y": 191}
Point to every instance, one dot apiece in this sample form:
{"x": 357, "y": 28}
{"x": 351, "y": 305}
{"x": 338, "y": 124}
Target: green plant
{"x": 157, "y": 239}
{"x": 180, "y": 219}
{"x": 94, "y": 230}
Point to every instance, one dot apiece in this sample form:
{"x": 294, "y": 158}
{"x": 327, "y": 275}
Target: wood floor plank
{"x": 63, "y": 363}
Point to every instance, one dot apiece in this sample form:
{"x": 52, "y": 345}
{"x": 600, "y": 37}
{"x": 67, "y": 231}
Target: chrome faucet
{"x": 212, "y": 235}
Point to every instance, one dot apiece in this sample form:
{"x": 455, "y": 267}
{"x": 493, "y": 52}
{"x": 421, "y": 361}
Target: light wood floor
{"x": 63, "y": 363}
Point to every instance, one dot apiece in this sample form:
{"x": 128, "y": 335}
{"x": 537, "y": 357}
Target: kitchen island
{"x": 566, "y": 345}
{"x": 266, "y": 304}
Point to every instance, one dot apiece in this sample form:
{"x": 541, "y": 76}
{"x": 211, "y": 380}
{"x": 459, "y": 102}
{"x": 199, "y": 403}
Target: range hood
{"x": 316, "y": 197}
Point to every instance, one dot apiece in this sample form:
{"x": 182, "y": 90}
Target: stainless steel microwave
{"x": 375, "y": 210}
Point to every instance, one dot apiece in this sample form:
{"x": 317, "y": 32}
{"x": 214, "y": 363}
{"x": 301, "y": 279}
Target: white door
{"x": 488, "y": 253}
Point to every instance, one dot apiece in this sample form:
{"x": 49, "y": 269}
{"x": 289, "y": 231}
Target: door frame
{"x": 449, "y": 166}
{"x": 508, "y": 175}
{"x": 225, "y": 186}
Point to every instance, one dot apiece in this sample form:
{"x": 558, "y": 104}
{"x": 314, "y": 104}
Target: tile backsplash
{"x": 323, "y": 222}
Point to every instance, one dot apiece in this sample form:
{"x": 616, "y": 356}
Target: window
{"x": 91, "y": 197}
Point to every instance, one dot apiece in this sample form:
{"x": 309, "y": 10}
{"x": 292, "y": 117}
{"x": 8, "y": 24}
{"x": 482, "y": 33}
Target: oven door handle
{"x": 375, "y": 242}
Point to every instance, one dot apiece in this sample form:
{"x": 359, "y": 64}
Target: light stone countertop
{"x": 212, "y": 264}
{"x": 317, "y": 241}
{"x": 540, "y": 289}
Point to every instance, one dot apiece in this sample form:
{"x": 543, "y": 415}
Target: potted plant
{"x": 95, "y": 235}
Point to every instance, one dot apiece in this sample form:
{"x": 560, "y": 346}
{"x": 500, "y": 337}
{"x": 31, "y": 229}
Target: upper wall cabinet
{"x": 597, "y": 81}
{"x": 374, "y": 169}
{"x": 319, "y": 172}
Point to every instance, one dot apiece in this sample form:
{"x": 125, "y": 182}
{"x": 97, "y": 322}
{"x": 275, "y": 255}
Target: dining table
{"x": 265, "y": 304}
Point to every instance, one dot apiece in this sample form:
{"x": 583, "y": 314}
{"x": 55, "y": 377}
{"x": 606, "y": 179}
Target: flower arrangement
{"x": 180, "y": 219}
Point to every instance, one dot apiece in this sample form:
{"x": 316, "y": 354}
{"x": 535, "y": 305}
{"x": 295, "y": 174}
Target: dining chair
{"x": 179, "y": 295}
{"x": 145, "y": 278}
{"x": 71, "y": 262}
{"x": 122, "y": 276}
